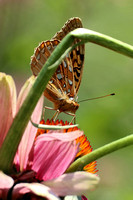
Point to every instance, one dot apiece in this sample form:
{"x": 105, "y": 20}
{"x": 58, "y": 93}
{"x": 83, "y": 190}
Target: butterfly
{"x": 63, "y": 86}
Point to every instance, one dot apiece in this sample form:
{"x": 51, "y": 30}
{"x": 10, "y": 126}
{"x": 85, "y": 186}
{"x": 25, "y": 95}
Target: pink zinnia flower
{"x": 41, "y": 159}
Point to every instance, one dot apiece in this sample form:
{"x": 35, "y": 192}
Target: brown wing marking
{"x": 77, "y": 58}
{"x": 69, "y": 26}
{"x": 77, "y": 55}
{"x": 41, "y": 54}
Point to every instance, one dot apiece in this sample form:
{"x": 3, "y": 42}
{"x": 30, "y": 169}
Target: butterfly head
{"x": 67, "y": 105}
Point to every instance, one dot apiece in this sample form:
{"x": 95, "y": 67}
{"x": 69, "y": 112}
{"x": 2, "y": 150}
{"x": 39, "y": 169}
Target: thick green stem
{"x": 79, "y": 164}
{"x": 15, "y": 133}
{"x": 104, "y": 40}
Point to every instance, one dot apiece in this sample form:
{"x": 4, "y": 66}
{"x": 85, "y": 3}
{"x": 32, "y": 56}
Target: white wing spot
{"x": 70, "y": 82}
{"x": 70, "y": 69}
{"x": 65, "y": 64}
{"x": 38, "y": 57}
{"x": 59, "y": 76}
{"x": 49, "y": 47}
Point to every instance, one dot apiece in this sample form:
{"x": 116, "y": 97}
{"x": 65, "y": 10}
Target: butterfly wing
{"x": 66, "y": 80}
{"x": 41, "y": 54}
{"x": 77, "y": 54}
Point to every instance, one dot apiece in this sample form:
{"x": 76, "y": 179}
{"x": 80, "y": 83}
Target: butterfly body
{"x": 61, "y": 101}
{"x": 63, "y": 86}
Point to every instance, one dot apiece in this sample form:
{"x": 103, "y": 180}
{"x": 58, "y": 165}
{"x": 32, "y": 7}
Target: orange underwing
{"x": 63, "y": 86}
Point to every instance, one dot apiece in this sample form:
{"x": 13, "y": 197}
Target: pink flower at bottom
{"x": 41, "y": 161}
{"x": 51, "y": 155}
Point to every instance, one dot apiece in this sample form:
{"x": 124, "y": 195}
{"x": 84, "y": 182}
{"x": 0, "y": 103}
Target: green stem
{"x": 79, "y": 164}
{"x": 15, "y": 133}
{"x": 104, "y": 40}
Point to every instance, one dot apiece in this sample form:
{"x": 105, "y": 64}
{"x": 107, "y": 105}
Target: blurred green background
{"x": 25, "y": 23}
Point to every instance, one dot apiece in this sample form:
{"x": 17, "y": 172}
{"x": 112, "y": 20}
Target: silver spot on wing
{"x": 65, "y": 64}
{"x": 70, "y": 82}
{"x": 59, "y": 76}
{"x": 70, "y": 69}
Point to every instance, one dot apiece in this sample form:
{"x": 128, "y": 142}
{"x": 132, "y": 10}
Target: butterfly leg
{"x": 44, "y": 109}
{"x": 55, "y": 115}
{"x": 74, "y": 117}
{"x": 49, "y": 108}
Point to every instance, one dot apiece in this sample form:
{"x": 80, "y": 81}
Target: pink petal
{"x": 24, "y": 91}
{"x": 21, "y": 158}
{"x": 77, "y": 183}
{"x": 58, "y": 135}
{"x": 6, "y": 182}
{"x": 37, "y": 189}
{"x": 7, "y": 104}
{"x": 53, "y": 153}
{"x": 13, "y": 94}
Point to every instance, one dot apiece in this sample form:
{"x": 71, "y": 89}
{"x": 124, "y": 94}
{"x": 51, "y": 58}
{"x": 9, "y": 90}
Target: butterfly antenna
{"x": 97, "y": 97}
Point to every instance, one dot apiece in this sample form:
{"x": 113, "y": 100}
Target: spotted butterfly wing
{"x": 77, "y": 55}
{"x": 64, "y": 84}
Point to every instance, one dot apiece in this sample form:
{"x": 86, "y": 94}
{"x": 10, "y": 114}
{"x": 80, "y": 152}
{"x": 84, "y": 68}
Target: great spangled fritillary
{"x": 63, "y": 87}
